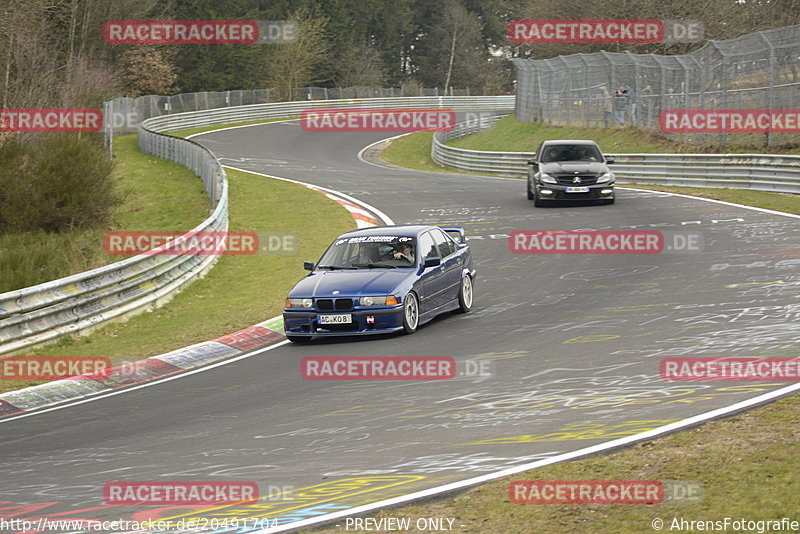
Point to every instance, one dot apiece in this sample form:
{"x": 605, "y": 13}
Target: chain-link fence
{"x": 755, "y": 71}
{"x": 123, "y": 115}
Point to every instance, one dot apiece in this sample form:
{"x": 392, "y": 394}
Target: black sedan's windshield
{"x": 370, "y": 252}
{"x": 553, "y": 153}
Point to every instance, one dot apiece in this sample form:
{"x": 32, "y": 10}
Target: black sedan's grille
{"x": 334, "y": 304}
{"x": 569, "y": 179}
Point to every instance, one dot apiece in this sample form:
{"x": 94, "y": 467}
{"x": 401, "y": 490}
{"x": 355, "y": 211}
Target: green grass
{"x": 511, "y": 135}
{"x": 413, "y": 151}
{"x": 238, "y": 292}
{"x": 157, "y": 195}
{"x": 747, "y": 465}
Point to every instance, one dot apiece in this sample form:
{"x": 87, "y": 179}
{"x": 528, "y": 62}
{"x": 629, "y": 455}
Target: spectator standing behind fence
{"x": 633, "y": 99}
{"x": 620, "y": 104}
{"x": 607, "y": 105}
{"x": 673, "y": 100}
{"x": 647, "y": 105}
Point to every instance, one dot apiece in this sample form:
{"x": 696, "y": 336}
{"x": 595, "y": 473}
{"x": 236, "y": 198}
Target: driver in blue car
{"x": 405, "y": 253}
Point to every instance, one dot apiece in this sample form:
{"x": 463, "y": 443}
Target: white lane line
{"x": 147, "y": 384}
{"x": 539, "y": 463}
{"x": 381, "y": 215}
{"x": 266, "y": 121}
{"x": 733, "y": 204}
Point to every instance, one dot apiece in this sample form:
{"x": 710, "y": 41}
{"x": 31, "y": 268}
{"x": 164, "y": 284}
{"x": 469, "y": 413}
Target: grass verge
{"x": 746, "y": 464}
{"x": 174, "y": 201}
{"x": 509, "y": 134}
{"x": 238, "y": 292}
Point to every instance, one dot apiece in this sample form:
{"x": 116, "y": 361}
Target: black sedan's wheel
{"x": 465, "y": 295}
{"x": 299, "y": 339}
{"x": 530, "y": 194}
{"x": 410, "y": 313}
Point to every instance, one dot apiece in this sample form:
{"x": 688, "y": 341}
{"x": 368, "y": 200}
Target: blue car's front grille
{"x": 334, "y": 304}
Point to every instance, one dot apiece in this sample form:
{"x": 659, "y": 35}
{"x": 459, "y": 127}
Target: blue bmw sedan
{"x": 382, "y": 279}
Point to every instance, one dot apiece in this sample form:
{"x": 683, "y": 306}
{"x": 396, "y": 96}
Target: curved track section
{"x": 573, "y": 343}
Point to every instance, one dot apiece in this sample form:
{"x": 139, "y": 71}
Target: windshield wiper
{"x": 374, "y": 265}
{"x": 333, "y": 267}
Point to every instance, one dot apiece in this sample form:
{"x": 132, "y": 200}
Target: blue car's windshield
{"x": 370, "y": 252}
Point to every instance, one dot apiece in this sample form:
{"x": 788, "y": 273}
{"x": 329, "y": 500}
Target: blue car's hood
{"x": 350, "y": 282}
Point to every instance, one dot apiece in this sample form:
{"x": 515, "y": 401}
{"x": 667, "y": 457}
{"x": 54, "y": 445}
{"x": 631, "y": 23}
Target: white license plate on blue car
{"x": 583, "y": 189}
{"x": 342, "y": 318}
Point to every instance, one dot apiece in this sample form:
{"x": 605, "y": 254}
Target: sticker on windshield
{"x": 374, "y": 239}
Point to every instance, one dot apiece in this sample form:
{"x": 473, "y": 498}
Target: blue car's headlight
{"x": 547, "y": 179}
{"x": 388, "y": 300}
{"x": 299, "y": 303}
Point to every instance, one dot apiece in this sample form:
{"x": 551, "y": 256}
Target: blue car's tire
{"x": 465, "y": 294}
{"x": 410, "y": 313}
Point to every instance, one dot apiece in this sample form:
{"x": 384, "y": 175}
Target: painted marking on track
{"x": 304, "y": 497}
{"x": 592, "y": 339}
{"x": 582, "y": 431}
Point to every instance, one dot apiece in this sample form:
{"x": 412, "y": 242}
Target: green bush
{"x": 54, "y": 183}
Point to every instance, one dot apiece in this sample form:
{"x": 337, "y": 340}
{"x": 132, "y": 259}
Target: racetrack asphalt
{"x": 572, "y": 342}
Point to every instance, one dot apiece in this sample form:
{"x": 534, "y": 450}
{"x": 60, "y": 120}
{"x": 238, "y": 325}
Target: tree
{"x": 148, "y": 71}
{"x": 294, "y": 65}
{"x": 361, "y": 65}
{"x": 454, "y": 52}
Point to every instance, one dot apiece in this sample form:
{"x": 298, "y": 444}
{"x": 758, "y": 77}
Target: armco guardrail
{"x": 760, "y": 172}
{"x": 78, "y": 303}
{"x": 81, "y": 302}
{"x": 287, "y": 110}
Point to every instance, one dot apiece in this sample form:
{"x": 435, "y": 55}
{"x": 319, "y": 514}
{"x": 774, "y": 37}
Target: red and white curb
{"x": 78, "y": 389}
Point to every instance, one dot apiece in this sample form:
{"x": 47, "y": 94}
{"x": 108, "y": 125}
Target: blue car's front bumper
{"x": 305, "y": 322}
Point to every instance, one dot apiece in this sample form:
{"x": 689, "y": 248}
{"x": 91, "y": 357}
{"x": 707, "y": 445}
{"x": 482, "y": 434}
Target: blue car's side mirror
{"x": 308, "y": 265}
{"x": 432, "y": 262}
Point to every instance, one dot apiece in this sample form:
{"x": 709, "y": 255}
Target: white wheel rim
{"x": 411, "y": 311}
{"x": 467, "y": 291}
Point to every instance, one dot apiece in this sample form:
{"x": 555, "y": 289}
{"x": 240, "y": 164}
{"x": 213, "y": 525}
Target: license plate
{"x": 342, "y": 318}
{"x": 577, "y": 189}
